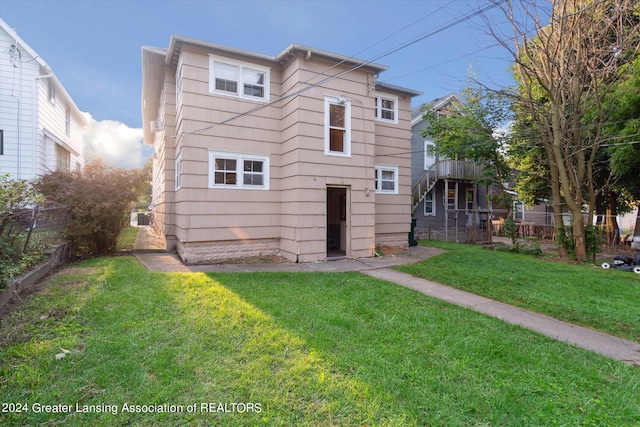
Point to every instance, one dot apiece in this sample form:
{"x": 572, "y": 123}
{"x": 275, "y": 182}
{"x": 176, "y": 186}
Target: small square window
{"x": 253, "y": 83}
{"x": 387, "y": 108}
{"x": 225, "y": 171}
{"x": 386, "y": 179}
{"x": 252, "y": 174}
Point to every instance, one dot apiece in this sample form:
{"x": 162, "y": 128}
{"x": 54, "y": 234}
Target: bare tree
{"x": 565, "y": 69}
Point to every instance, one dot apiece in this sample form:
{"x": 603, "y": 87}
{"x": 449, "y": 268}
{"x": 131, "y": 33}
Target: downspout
{"x": 36, "y": 121}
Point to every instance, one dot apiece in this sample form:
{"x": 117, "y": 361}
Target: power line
{"x": 451, "y": 24}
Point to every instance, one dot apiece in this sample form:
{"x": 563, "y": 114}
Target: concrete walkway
{"x": 616, "y": 348}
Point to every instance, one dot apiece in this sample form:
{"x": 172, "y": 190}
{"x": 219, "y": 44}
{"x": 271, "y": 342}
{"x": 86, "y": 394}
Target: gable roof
{"x": 436, "y": 104}
{"x": 45, "y": 70}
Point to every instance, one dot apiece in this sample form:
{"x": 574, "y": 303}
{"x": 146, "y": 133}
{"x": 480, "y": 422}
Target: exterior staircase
{"x": 460, "y": 170}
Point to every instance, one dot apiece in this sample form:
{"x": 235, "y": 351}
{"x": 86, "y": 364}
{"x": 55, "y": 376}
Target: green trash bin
{"x": 412, "y": 233}
{"x": 143, "y": 219}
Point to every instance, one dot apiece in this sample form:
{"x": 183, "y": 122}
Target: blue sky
{"x": 94, "y": 46}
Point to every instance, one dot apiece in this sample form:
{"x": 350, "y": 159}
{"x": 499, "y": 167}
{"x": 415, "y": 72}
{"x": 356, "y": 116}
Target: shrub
{"x": 98, "y": 198}
{"x": 18, "y": 199}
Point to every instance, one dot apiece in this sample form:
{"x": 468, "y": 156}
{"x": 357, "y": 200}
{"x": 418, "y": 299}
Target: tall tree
{"x": 565, "y": 73}
{"x": 476, "y": 130}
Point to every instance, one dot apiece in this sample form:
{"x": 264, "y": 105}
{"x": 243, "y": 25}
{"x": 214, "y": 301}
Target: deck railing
{"x": 463, "y": 170}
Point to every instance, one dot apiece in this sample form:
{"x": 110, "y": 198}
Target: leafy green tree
{"x": 476, "y": 130}
{"x": 565, "y": 73}
{"x": 98, "y": 198}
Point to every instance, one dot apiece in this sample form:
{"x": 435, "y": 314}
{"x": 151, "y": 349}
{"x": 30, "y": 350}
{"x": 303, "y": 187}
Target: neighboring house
{"x": 447, "y": 203}
{"x": 303, "y": 155}
{"x": 40, "y": 126}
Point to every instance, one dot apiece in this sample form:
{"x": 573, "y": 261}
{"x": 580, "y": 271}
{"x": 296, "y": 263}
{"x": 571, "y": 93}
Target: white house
{"x": 40, "y": 125}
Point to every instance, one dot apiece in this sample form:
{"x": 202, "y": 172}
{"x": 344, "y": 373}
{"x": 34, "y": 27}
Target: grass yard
{"x": 607, "y": 300}
{"x": 284, "y": 349}
{"x": 127, "y": 238}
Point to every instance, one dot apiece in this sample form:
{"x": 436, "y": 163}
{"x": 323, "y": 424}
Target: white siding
{"x": 26, "y": 112}
{"x": 17, "y": 77}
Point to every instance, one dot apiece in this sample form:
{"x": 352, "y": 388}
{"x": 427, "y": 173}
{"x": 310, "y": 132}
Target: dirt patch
{"x": 390, "y": 250}
{"x": 77, "y": 271}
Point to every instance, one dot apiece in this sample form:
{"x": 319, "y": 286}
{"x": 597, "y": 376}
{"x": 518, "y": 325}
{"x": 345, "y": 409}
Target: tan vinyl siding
{"x": 290, "y": 217}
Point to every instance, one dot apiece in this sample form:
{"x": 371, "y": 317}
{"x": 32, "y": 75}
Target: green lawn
{"x": 127, "y": 238}
{"x": 607, "y": 300}
{"x": 298, "y": 349}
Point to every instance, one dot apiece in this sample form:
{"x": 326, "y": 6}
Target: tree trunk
{"x": 610, "y": 219}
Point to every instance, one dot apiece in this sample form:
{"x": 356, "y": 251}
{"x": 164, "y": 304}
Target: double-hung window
{"x": 386, "y": 179}
{"x": 235, "y": 170}
{"x": 387, "y": 108}
{"x": 235, "y": 78}
{"x": 337, "y": 127}
{"x": 429, "y": 205}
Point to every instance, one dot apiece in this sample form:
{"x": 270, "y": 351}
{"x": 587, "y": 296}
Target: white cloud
{"x": 116, "y": 143}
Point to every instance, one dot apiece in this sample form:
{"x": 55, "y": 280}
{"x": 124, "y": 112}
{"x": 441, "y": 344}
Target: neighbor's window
{"x": 387, "y": 108}
{"x": 63, "y": 158}
{"x": 1, "y": 142}
{"x": 451, "y": 199}
{"x": 235, "y": 170}
{"x": 337, "y": 127}
{"x": 429, "y": 206}
{"x": 518, "y": 210}
{"x": 67, "y": 121}
{"x": 51, "y": 92}
{"x": 469, "y": 200}
{"x": 386, "y": 179}
{"x": 238, "y": 78}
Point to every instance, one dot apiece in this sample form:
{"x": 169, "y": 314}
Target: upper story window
{"x": 387, "y": 179}
{"x": 67, "y": 121}
{"x": 387, "y": 108}
{"x": 337, "y": 127}
{"x": 429, "y": 154}
{"x": 51, "y": 93}
{"x": 237, "y": 78}
{"x": 235, "y": 170}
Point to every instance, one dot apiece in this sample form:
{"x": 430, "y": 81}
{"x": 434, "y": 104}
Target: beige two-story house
{"x": 303, "y": 155}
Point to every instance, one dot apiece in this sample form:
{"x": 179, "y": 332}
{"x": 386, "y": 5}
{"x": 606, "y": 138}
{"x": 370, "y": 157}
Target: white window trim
{"x": 466, "y": 199}
{"x": 392, "y": 168}
{"x": 378, "y": 114}
{"x": 178, "y": 177}
{"x": 428, "y": 142}
{"x": 51, "y": 92}
{"x": 241, "y": 67}
{"x": 240, "y": 158}
{"x": 433, "y": 204}
{"x": 329, "y": 100}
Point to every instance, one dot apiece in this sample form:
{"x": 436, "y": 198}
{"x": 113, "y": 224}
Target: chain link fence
{"x": 24, "y": 234}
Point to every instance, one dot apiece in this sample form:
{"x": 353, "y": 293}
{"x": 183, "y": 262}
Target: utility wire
{"x": 451, "y": 24}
